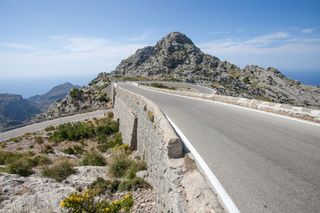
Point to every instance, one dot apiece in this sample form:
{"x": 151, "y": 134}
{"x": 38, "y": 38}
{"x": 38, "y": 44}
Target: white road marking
{"x": 217, "y": 186}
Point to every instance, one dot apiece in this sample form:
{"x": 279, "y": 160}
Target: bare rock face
{"x": 175, "y": 57}
{"x": 31, "y": 194}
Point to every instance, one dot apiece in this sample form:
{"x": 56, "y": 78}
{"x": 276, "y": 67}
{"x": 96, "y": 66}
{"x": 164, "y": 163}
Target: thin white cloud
{"x": 19, "y": 46}
{"x": 268, "y": 39}
{"x": 64, "y": 55}
{"x": 288, "y": 53}
{"x": 308, "y": 30}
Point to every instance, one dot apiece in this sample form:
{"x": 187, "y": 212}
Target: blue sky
{"x": 65, "y": 39}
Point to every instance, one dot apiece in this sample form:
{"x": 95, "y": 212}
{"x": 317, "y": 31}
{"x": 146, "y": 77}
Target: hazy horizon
{"x": 37, "y": 86}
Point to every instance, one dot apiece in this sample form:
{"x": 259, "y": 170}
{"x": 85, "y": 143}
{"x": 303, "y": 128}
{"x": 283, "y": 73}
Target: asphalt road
{"x": 39, "y": 126}
{"x": 265, "y": 162}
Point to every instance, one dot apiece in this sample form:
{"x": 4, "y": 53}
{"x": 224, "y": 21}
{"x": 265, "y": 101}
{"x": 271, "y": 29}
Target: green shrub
{"x": 75, "y": 150}
{"x": 21, "y": 163}
{"x": 39, "y": 139}
{"x": 162, "y": 86}
{"x": 132, "y": 184}
{"x": 246, "y": 80}
{"x": 73, "y": 132}
{"x": 105, "y": 143}
{"x": 76, "y": 93}
{"x": 3, "y": 145}
{"x": 42, "y": 160}
{"x": 119, "y": 164}
{"x": 58, "y": 171}
{"x": 103, "y": 98}
{"x": 21, "y": 167}
{"x": 17, "y": 139}
{"x": 101, "y": 185}
{"x": 107, "y": 126}
{"x": 49, "y": 128}
{"x": 93, "y": 158}
{"x": 10, "y": 157}
{"x": 234, "y": 73}
{"x": 48, "y": 149}
{"x": 134, "y": 168}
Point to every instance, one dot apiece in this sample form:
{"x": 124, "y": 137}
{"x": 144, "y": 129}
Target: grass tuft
{"x": 58, "y": 171}
{"x": 93, "y": 158}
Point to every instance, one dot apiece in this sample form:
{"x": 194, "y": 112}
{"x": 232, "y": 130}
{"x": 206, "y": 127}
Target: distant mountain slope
{"x": 175, "y": 57}
{"x": 91, "y": 97}
{"x": 14, "y": 110}
{"x": 56, "y": 93}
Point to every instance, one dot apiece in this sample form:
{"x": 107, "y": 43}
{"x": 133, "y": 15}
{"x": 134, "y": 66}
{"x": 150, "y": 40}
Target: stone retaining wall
{"x": 178, "y": 185}
{"x": 282, "y": 109}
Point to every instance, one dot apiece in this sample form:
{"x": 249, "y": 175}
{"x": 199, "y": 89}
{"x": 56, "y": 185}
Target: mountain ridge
{"x": 175, "y": 57}
{"x": 56, "y": 93}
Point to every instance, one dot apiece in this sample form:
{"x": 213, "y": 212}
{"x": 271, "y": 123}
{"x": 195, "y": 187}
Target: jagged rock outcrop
{"x": 175, "y": 57}
{"x": 87, "y": 98}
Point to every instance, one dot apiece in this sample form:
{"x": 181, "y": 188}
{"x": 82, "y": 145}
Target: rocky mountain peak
{"x": 174, "y": 39}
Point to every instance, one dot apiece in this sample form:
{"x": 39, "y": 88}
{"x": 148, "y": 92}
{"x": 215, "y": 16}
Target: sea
{"x": 34, "y": 86}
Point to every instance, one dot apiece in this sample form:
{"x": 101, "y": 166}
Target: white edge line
{"x": 236, "y": 106}
{"x": 218, "y": 188}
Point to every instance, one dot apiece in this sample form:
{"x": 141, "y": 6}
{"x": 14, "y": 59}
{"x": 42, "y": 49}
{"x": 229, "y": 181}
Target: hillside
{"x": 14, "y": 110}
{"x": 87, "y": 98}
{"x": 56, "y": 93}
{"x": 176, "y": 58}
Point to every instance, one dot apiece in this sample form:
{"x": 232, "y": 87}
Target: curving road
{"x": 191, "y": 86}
{"x": 39, "y": 126}
{"x": 265, "y": 162}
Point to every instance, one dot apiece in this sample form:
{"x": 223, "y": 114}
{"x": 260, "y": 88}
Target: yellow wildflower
{"x": 107, "y": 210}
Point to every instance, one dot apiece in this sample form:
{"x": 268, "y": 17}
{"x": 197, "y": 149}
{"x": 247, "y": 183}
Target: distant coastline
{"x": 29, "y": 87}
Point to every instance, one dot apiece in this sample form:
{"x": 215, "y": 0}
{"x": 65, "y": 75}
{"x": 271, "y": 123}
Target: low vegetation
{"x": 92, "y": 143}
{"x": 107, "y": 143}
{"x": 101, "y": 185}
{"x": 162, "y": 86}
{"x": 76, "y": 93}
{"x": 21, "y": 163}
{"x": 121, "y": 164}
{"x": 93, "y": 158}
{"x": 86, "y": 202}
{"x": 75, "y": 150}
{"x": 73, "y": 132}
{"x": 84, "y": 130}
{"x": 150, "y": 116}
{"x": 132, "y": 184}
{"x": 59, "y": 170}
{"x": 49, "y": 128}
